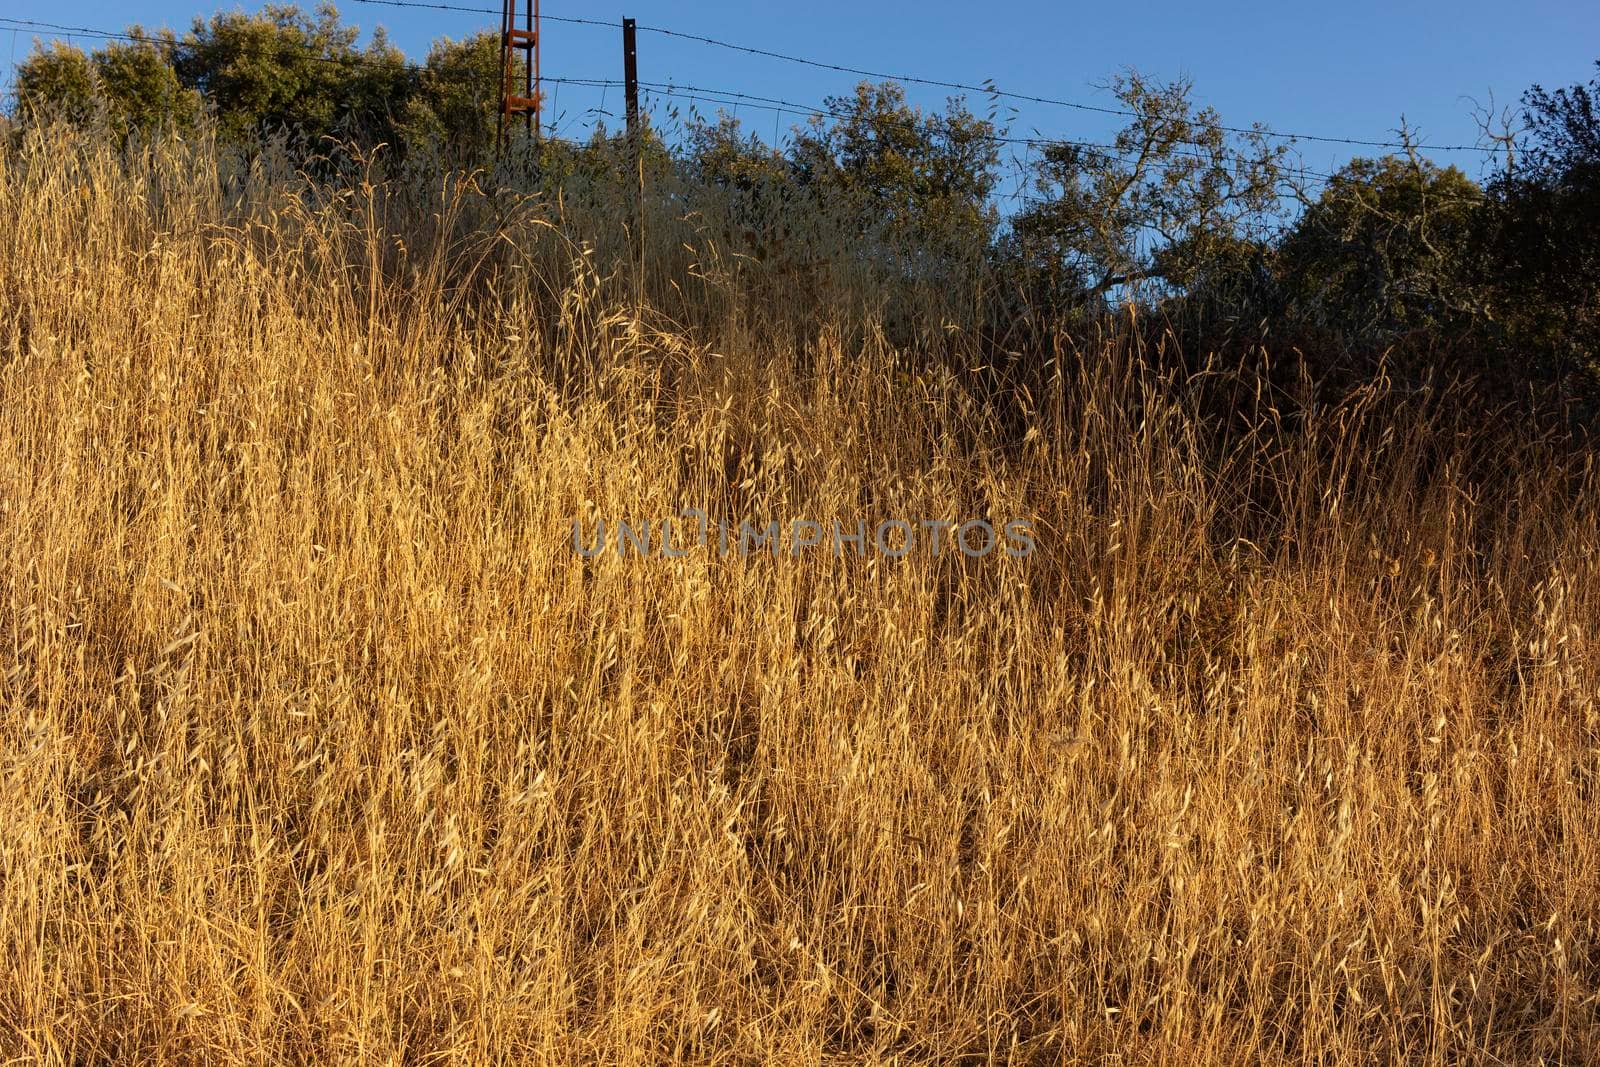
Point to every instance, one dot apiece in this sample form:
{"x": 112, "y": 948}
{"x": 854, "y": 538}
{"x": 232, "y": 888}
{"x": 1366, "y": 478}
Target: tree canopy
{"x": 1175, "y": 207}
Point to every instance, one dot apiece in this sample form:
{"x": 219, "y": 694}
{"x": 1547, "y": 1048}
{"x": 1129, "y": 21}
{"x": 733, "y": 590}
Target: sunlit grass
{"x": 320, "y": 743}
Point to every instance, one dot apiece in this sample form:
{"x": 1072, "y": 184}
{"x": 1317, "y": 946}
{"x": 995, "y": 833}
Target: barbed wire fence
{"x": 1022, "y": 148}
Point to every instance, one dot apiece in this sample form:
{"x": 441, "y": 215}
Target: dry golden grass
{"x": 320, "y": 744}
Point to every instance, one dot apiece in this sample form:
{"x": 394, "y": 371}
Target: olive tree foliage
{"x": 275, "y": 70}
{"x": 894, "y": 197}
{"x": 917, "y": 182}
{"x": 1172, "y": 190}
{"x": 128, "y": 85}
{"x": 56, "y": 83}
{"x": 456, "y": 101}
{"x": 1542, "y": 239}
{"x": 284, "y": 69}
{"x": 755, "y": 183}
{"x": 719, "y": 153}
{"x": 1386, "y": 246}
{"x": 761, "y": 190}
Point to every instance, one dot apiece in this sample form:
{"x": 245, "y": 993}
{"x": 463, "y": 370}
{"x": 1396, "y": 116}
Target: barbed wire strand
{"x": 986, "y": 88}
{"x": 700, "y": 94}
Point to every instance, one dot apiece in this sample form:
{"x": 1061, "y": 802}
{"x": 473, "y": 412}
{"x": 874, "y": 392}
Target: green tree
{"x": 721, "y": 154}
{"x": 139, "y": 87}
{"x": 1170, "y": 193}
{"x": 283, "y": 69}
{"x": 128, "y": 85}
{"x": 1387, "y": 246}
{"x": 457, "y": 99}
{"x": 922, "y": 180}
{"x": 56, "y": 83}
{"x": 1543, "y": 233}
{"x": 752, "y": 182}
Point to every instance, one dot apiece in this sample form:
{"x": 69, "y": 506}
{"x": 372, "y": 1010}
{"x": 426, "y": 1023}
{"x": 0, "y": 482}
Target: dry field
{"x": 320, "y": 743}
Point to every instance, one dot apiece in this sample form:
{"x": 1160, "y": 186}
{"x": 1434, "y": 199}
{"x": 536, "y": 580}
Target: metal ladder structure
{"x": 512, "y": 40}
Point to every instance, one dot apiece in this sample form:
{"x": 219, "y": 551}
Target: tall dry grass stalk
{"x": 321, "y": 744}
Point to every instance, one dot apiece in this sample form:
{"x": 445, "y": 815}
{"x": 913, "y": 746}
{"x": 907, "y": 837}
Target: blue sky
{"x": 1348, "y": 70}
